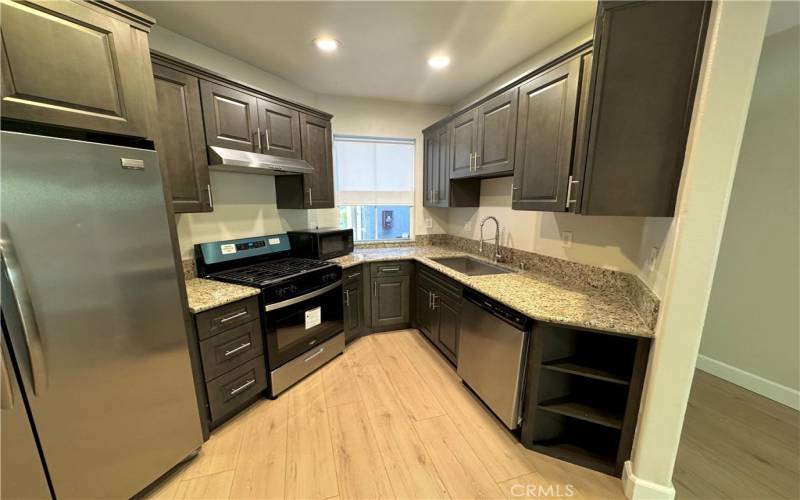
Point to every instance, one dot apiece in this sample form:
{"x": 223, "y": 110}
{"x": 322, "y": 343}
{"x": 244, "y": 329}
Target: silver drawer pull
{"x": 314, "y": 355}
{"x": 243, "y": 387}
{"x": 233, "y": 316}
{"x": 354, "y": 275}
{"x": 389, "y": 269}
{"x": 234, "y": 351}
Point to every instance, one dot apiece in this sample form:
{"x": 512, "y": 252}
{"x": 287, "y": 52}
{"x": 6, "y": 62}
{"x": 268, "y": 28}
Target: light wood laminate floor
{"x": 387, "y": 419}
{"x": 736, "y": 444}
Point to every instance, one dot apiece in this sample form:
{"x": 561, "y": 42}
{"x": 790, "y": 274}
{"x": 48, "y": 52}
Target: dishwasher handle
{"x": 500, "y": 311}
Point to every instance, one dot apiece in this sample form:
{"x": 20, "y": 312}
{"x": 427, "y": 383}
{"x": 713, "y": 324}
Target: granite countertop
{"x": 536, "y": 294}
{"x": 205, "y": 294}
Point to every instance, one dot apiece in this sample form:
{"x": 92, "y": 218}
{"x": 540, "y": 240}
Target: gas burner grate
{"x": 267, "y": 272}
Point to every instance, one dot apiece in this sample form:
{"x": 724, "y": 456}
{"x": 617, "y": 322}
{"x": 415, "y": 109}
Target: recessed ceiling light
{"x": 326, "y": 44}
{"x": 438, "y": 62}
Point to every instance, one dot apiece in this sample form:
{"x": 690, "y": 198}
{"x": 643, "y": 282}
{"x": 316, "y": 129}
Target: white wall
{"x": 752, "y": 330}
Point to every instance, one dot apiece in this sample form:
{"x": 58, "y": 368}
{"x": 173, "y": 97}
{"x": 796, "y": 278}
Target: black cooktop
{"x": 266, "y": 273}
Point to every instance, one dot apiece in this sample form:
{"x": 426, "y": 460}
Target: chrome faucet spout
{"x": 497, "y": 256}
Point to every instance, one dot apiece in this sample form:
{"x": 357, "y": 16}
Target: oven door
{"x": 295, "y": 326}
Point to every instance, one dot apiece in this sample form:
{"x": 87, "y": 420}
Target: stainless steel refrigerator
{"x": 97, "y": 389}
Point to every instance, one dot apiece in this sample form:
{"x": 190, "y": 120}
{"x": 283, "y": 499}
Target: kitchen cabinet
{"x": 582, "y": 394}
{"x": 464, "y": 132}
{"x": 314, "y": 190}
{"x": 281, "y": 129}
{"x": 390, "y": 301}
{"x": 181, "y": 142}
{"x": 437, "y": 310}
{"x": 230, "y": 117}
{"x": 77, "y": 64}
{"x": 355, "y": 301}
{"x": 545, "y": 125}
{"x": 647, "y": 58}
{"x": 439, "y": 190}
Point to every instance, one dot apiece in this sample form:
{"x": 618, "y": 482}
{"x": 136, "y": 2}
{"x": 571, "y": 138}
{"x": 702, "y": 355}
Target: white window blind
{"x": 374, "y": 171}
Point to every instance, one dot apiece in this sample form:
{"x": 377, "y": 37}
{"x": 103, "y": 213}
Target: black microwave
{"x": 324, "y": 243}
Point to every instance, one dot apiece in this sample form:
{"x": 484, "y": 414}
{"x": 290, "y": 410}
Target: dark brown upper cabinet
{"x": 281, "y": 129}
{"x": 497, "y": 122}
{"x": 439, "y": 190}
{"x": 464, "y": 136}
{"x": 647, "y": 57}
{"x": 230, "y": 117}
{"x": 77, "y": 65}
{"x": 546, "y": 121}
{"x": 313, "y": 190}
{"x": 181, "y": 143}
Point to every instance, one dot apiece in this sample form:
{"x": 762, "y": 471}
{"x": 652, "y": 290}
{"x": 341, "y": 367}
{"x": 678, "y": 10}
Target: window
{"x": 375, "y": 186}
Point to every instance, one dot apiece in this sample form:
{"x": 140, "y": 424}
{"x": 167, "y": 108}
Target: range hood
{"x": 233, "y": 160}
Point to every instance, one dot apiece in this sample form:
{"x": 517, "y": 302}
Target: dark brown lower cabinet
{"x": 582, "y": 395}
{"x": 437, "y": 310}
{"x": 355, "y": 303}
{"x": 390, "y": 302}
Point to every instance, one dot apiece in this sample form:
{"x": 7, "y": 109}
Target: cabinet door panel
{"x": 281, "y": 126}
{"x": 441, "y": 190}
{"x": 497, "y": 122}
{"x": 545, "y": 127}
{"x": 463, "y": 130}
{"x": 430, "y": 168}
{"x": 424, "y": 316}
{"x": 449, "y": 326}
{"x": 230, "y": 117}
{"x": 69, "y": 65}
{"x": 353, "y": 310}
{"x": 390, "y": 301}
{"x": 317, "y": 147}
{"x": 181, "y": 142}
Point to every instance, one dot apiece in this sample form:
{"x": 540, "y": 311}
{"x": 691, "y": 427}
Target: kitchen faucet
{"x": 497, "y": 255}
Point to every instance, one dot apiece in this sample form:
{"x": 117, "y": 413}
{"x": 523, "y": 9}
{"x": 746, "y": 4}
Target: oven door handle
{"x": 297, "y": 300}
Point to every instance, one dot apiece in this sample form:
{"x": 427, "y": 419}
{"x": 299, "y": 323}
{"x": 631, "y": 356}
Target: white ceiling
{"x": 385, "y": 45}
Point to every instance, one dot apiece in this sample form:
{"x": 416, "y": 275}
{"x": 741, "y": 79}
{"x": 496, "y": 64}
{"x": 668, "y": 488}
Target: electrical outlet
{"x": 468, "y": 227}
{"x": 566, "y": 239}
{"x": 428, "y": 222}
{"x": 651, "y": 261}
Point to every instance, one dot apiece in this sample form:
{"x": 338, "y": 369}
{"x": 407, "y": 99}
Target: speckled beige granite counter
{"x": 540, "y": 295}
{"x": 205, "y": 294}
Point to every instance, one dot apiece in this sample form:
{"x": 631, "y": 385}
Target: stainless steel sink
{"x": 470, "y": 266}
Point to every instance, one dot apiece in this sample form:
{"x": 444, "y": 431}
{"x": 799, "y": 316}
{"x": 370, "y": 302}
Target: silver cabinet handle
{"x": 347, "y": 298}
{"x": 6, "y": 392}
{"x": 434, "y": 305}
{"x": 374, "y": 288}
{"x": 314, "y": 355}
{"x": 390, "y": 269}
{"x": 233, "y": 316}
{"x": 430, "y": 300}
{"x": 310, "y": 200}
{"x": 258, "y": 134}
{"x": 514, "y": 190}
{"x": 476, "y": 161}
{"x": 569, "y": 191}
{"x": 356, "y": 275}
{"x": 471, "y": 157}
{"x": 234, "y": 351}
{"x": 266, "y": 136}
{"x": 243, "y": 387}
{"x": 30, "y": 328}
{"x": 210, "y": 196}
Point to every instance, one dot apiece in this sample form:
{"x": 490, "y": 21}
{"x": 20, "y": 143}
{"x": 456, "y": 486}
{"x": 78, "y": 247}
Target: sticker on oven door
{"x": 274, "y": 241}
{"x": 227, "y": 248}
{"x": 313, "y": 317}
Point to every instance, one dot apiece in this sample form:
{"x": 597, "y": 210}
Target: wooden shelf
{"x": 576, "y": 367}
{"x": 571, "y": 407}
{"x": 574, "y": 453}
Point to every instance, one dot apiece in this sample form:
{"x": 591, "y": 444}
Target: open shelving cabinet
{"x": 582, "y": 395}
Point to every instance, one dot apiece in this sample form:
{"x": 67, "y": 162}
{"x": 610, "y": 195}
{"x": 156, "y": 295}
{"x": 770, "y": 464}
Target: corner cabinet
{"x": 438, "y": 189}
{"x": 181, "y": 143}
{"x": 390, "y": 287}
{"x": 78, "y": 65}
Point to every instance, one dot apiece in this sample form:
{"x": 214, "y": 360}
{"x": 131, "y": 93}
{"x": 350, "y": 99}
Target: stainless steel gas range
{"x": 300, "y": 301}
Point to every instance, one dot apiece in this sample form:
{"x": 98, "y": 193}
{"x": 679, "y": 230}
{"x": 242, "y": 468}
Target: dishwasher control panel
{"x": 500, "y": 310}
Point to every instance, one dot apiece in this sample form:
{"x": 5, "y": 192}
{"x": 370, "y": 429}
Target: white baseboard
{"x": 637, "y": 488}
{"x": 767, "y": 388}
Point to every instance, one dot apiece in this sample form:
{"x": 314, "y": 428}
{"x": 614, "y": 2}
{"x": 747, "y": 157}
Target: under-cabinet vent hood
{"x": 233, "y": 160}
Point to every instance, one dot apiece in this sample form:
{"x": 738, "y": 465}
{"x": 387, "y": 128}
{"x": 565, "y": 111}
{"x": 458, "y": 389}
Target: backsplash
{"x": 643, "y": 300}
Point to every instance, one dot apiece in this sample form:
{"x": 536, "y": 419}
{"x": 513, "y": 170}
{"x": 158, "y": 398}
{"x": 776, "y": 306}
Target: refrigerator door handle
{"x": 22, "y": 298}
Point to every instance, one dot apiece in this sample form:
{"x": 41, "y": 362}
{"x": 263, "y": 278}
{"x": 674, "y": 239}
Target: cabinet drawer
{"x": 352, "y": 274}
{"x": 231, "y": 348}
{"x": 227, "y": 393}
{"x": 382, "y": 269}
{"x": 226, "y": 317}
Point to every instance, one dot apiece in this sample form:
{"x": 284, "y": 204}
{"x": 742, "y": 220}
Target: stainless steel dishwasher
{"x": 492, "y": 354}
